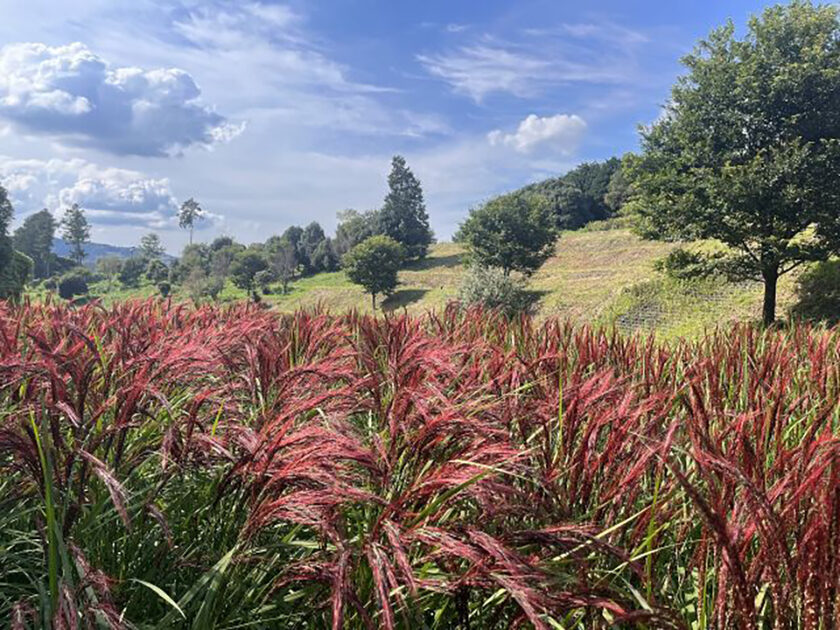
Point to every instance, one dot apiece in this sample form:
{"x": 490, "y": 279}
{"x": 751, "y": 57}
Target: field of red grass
{"x": 166, "y": 466}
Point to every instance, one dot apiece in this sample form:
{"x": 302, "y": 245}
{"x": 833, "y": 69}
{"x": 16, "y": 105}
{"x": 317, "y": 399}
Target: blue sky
{"x": 272, "y": 114}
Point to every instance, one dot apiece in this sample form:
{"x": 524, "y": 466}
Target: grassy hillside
{"x": 602, "y": 276}
{"x": 597, "y": 276}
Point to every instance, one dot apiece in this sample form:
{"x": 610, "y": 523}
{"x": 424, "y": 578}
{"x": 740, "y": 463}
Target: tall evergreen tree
{"x": 76, "y": 231}
{"x": 403, "y": 216}
{"x": 150, "y": 247}
{"x": 35, "y": 239}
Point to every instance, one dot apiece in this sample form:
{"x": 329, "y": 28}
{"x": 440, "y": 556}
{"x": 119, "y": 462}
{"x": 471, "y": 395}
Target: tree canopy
{"x": 513, "y": 232}
{"x": 189, "y": 213}
{"x": 403, "y": 216}
{"x": 748, "y": 149}
{"x": 35, "y": 239}
{"x": 247, "y": 264}
{"x": 579, "y": 196}
{"x": 374, "y": 264}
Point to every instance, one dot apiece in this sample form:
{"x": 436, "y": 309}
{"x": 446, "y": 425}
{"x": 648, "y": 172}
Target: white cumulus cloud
{"x": 561, "y": 133}
{"x": 70, "y": 93}
{"x": 110, "y": 196}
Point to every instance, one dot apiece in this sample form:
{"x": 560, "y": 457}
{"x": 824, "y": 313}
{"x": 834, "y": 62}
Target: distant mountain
{"x": 95, "y": 251}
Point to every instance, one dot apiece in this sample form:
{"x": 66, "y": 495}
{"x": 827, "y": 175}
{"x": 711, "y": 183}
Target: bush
{"x": 489, "y": 287}
{"x": 164, "y": 288}
{"x": 72, "y": 284}
{"x": 683, "y": 264}
{"x": 818, "y": 293}
{"x": 132, "y": 271}
{"x": 14, "y": 275}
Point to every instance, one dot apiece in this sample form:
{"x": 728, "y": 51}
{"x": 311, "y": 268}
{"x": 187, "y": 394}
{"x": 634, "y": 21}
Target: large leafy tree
{"x": 189, "y": 213}
{"x": 310, "y": 239}
{"x": 514, "y": 232}
{"x": 374, "y": 264}
{"x": 35, "y": 239}
{"x": 76, "y": 231}
{"x": 403, "y": 216}
{"x": 247, "y": 264}
{"x": 748, "y": 150}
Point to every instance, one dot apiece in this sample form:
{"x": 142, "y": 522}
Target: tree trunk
{"x": 191, "y": 235}
{"x": 771, "y": 278}
{"x": 373, "y": 300}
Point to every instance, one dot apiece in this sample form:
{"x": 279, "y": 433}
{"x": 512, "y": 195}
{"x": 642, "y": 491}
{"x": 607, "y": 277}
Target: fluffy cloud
{"x": 71, "y": 93}
{"x": 561, "y": 133}
{"x": 111, "y": 196}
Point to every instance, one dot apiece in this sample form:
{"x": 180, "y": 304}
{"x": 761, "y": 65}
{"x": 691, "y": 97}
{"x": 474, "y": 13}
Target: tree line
{"x": 746, "y": 153}
{"x": 370, "y": 245}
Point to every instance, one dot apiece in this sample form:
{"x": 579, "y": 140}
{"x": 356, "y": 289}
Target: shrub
{"x": 818, "y": 293}
{"x": 684, "y": 264}
{"x": 14, "y": 275}
{"x": 132, "y": 271}
{"x": 72, "y": 284}
{"x": 489, "y": 287}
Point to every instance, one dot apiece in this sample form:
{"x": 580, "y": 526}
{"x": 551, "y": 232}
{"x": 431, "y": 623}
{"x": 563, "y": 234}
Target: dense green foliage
{"x": 73, "y": 283}
{"x": 156, "y": 271}
{"x": 14, "y": 275}
{"x": 580, "y": 196}
{"x": 374, "y": 264}
{"x": 132, "y": 270}
{"x": 684, "y": 264}
{"x": 403, "y": 216}
{"x": 35, "y": 239}
{"x": 512, "y": 232}
{"x": 490, "y": 288}
{"x": 747, "y": 143}
{"x": 247, "y": 264}
{"x": 818, "y": 293}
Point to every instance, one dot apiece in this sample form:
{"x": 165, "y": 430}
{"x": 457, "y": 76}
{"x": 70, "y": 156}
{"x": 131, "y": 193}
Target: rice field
{"x": 172, "y": 466}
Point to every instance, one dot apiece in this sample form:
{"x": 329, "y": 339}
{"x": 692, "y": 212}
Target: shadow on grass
{"x": 402, "y": 298}
{"x": 533, "y": 297}
{"x": 453, "y": 260}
